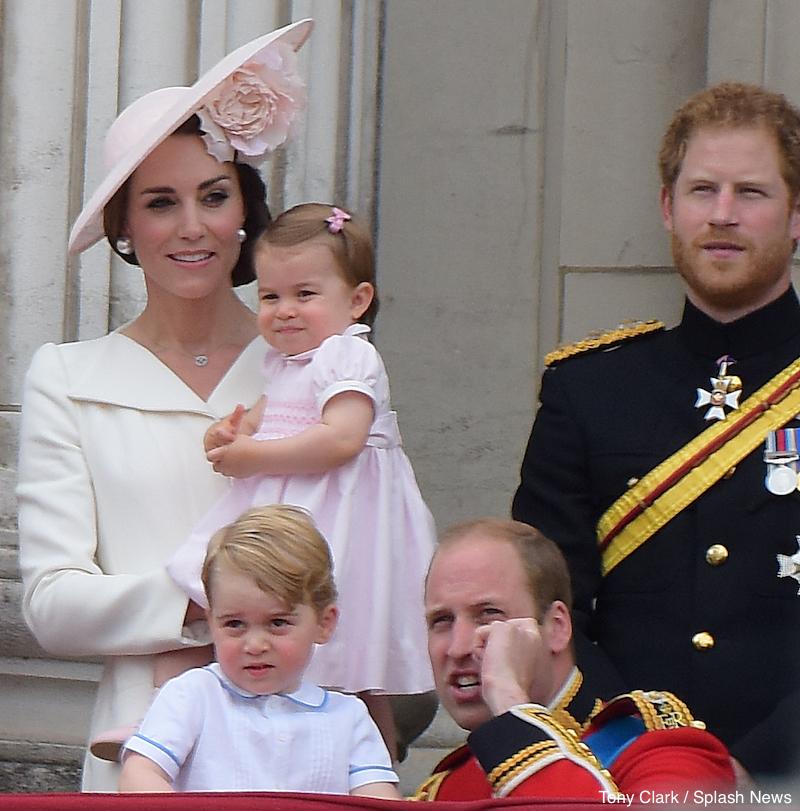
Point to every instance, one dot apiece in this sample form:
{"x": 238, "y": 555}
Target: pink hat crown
{"x": 247, "y": 104}
{"x": 134, "y": 122}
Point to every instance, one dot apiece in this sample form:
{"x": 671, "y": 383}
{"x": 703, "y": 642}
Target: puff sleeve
{"x": 348, "y": 363}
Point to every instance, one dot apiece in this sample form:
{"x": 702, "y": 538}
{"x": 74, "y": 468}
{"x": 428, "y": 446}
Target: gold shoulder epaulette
{"x": 658, "y": 709}
{"x": 600, "y": 340}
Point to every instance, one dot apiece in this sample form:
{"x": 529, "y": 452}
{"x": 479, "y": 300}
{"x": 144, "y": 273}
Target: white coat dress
{"x": 112, "y": 478}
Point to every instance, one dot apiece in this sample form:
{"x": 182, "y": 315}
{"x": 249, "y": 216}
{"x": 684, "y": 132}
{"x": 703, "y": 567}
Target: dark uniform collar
{"x": 751, "y": 335}
{"x": 575, "y": 702}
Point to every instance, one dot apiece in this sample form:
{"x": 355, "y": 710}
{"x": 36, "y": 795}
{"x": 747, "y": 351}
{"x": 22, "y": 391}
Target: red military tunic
{"x": 637, "y": 745}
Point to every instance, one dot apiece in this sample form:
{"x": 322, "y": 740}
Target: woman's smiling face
{"x": 183, "y": 214}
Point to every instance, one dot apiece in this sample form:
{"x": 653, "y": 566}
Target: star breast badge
{"x": 725, "y": 391}
{"x": 789, "y": 566}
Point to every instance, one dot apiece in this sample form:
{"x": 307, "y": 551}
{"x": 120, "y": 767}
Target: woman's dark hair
{"x": 254, "y": 195}
{"x": 257, "y": 218}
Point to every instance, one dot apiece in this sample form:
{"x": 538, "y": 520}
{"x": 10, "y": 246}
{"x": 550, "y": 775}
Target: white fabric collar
{"x": 119, "y": 371}
{"x": 307, "y": 694}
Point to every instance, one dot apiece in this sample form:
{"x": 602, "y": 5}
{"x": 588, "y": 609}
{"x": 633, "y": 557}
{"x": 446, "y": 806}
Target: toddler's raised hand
{"x": 224, "y": 431}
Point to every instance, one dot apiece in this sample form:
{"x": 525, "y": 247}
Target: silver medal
{"x": 781, "y": 480}
{"x": 781, "y": 456}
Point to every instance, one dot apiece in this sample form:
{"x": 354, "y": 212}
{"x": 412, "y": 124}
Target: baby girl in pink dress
{"x": 323, "y": 437}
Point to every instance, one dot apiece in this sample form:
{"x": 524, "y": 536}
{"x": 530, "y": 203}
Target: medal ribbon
{"x": 675, "y": 483}
{"x": 780, "y": 456}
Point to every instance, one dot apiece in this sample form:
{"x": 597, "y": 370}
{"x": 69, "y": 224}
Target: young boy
{"x": 249, "y": 722}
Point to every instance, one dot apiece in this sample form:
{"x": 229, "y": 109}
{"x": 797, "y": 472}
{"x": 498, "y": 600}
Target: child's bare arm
{"x": 338, "y": 438}
{"x": 141, "y": 774}
{"x": 388, "y": 791}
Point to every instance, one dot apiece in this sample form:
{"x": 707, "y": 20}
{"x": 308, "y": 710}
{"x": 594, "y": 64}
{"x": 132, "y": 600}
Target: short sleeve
{"x": 172, "y": 723}
{"x": 346, "y": 363}
{"x": 369, "y": 758}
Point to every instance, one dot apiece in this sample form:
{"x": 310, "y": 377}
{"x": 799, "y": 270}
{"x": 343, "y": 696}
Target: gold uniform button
{"x": 716, "y": 554}
{"x": 703, "y": 641}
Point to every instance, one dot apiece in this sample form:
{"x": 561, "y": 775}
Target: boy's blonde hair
{"x": 282, "y": 550}
{"x": 352, "y": 246}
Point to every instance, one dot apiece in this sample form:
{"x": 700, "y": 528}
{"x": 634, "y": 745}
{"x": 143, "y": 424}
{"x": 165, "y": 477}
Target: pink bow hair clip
{"x": 337, "y": 220}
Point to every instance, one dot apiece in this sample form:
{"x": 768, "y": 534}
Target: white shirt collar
{"x": 307, "y": 694}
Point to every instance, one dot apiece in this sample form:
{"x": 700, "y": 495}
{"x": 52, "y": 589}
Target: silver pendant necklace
{"x": 199, "y": 360}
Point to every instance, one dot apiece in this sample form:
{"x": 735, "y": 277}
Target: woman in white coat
{"x": 112, "y": 474}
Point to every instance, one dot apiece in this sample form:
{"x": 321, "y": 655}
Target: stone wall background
{"x": 504, "y": 151}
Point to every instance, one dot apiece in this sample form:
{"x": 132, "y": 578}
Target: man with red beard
{"x": 664, "y": 463}
{"x": 497, "y": 604}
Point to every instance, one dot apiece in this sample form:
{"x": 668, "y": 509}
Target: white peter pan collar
{"x": 307, "y": 694}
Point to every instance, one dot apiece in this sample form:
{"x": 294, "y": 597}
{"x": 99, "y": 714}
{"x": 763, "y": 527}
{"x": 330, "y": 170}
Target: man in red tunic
{"x": 497, "y": 602}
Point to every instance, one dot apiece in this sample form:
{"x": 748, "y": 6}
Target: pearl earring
{"x": 242, "y": 234}
{"x": 125, "y": 246}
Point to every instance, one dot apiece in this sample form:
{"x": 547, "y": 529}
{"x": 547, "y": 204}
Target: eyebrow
{"x": 310, "y": 282}
{"x": 479, "y": 606}
{"x": 169, "y": 189}
{"x": 754, "y": 180}
{"x": 225, "y": 616}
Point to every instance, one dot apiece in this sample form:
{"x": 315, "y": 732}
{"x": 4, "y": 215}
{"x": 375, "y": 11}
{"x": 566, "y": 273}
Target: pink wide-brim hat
{"x": 146, "y": 123}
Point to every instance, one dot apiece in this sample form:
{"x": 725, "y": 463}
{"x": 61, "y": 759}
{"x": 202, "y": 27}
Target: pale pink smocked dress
{"x": 370, "y": 511}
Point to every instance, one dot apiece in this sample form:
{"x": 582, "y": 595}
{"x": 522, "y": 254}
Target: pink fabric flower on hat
{"x": 253, "y": 110}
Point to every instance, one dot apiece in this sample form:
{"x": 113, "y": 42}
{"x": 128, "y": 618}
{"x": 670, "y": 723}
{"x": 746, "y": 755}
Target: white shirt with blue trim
{"x": 209, "y": 735}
